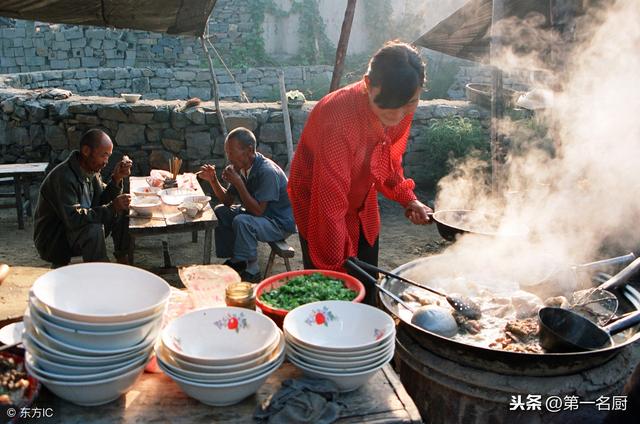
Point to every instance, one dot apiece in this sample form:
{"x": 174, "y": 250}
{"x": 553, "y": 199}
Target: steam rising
{"x": 584, "y": 193}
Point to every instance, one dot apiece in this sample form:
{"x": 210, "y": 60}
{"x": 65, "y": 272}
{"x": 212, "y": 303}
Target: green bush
{"x": 448, "y": 140}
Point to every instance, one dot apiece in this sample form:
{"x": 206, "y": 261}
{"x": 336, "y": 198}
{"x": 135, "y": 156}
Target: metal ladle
{"x": 430, "y": 318}
{"x": 465, "y": 306}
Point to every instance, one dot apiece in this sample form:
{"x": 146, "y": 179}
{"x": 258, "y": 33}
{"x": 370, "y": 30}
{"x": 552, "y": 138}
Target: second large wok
{"x": 495, "y": 360}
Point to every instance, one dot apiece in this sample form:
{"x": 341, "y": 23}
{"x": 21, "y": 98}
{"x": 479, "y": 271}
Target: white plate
{"x": 12, "y": 333}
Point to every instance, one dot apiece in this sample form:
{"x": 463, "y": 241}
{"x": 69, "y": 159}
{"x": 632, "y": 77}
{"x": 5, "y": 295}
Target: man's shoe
{"x": 249, "y": 277}
{"x": 237, "y": 266}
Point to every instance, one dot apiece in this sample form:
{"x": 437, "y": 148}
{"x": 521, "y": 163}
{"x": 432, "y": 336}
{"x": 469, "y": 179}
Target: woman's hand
{"x": 418, "y": 212}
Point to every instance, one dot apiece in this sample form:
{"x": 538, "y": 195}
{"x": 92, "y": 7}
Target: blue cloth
{"x": 268, "y": 183}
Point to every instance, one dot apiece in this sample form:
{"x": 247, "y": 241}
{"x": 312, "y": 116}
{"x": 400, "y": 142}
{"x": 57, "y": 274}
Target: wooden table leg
{"x": 17, "y": 182}
{"x": 206, "y": 259}
{"x": 132, "y": 246}
{"x": 165, "y": 253}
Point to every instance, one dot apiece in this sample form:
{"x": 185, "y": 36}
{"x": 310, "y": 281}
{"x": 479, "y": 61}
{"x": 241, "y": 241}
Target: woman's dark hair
{"x": 398, "y": 71}
{"x": 244, "y": 136}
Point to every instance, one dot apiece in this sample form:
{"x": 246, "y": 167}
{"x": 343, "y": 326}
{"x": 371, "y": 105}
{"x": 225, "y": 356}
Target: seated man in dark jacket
{"x": 75, "y": 208}
{"x": 264, "y": 213}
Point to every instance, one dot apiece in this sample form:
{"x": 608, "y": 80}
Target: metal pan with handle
{"x": 453, "y": 223}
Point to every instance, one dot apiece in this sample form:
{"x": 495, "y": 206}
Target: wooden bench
{"x": 282, "y": 249}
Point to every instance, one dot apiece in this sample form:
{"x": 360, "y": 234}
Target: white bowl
{"x": 91, "y": 393}
{"x": 329, "y": 368}
{"x": 43, "y": 350}
{"x": 175, "y": 196}
{"x": 131, "y": 97}
{"x": 189, "y": 366}
{"x": 335, "y": 325}
{"x": 203, "y": 200}
{"x": 345, "y": 382}
{"x": 57, "y": 368}
{"x": 147, "y": 191}
{"x": 101, "y": 292}
{"x": 98, "y": 340}
{"x": 60, "y": 346}
{"x": 120, "y": 370}
{"x": 339, "y": 356}
{"x": 145, "y": 205}
{"x": 91, "y": 326}
{"x": 330, "y": 362}
{"x": 221, "y": 394}
{"x": 220, "y": 336}
{"x": 220, "y": 377}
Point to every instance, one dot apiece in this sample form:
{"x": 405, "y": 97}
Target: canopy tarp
{"x": 177, "y": 17}
{"x": 466, "y": 33}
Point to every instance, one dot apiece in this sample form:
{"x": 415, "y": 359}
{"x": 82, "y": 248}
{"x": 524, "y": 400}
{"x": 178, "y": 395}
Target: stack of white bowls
{"x": 344, "y": 342}
{"x": 90, "y": 328}
{"x": 220, "y": 356}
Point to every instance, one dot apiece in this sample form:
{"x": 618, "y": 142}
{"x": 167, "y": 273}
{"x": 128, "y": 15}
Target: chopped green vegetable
{"x": 306, "y": 289}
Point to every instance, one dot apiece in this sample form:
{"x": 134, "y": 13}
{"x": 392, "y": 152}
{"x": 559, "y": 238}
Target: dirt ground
{"x": 400, "y": 242}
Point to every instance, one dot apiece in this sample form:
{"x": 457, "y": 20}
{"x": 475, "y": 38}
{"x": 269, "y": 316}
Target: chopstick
{"x": 9, "y": 346}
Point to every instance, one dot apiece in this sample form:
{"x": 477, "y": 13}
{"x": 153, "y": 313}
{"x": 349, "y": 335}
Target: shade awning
{"x": 466, "y": 33}
{"x": 176, "y": 17}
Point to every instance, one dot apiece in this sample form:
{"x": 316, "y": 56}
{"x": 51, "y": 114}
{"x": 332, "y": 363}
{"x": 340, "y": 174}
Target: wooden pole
{"x": 498, "y": 150}
{"x": 287, "y": 120}
{"x": 343, "y": 43}
{"x": 214, "y": 89}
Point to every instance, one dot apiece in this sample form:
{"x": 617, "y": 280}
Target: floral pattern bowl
{"x": 220, "y": 336}
{"x": 335, "y": 325}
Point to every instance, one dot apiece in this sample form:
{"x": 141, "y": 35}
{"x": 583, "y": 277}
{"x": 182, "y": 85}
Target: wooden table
{"x": 21, "y": 173}
{"x": 156, "y": 398}
{"x": 169, "y": 220}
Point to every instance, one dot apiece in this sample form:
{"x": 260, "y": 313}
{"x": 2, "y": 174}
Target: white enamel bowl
{"x": 130, "y": 97}
{"x": 338, "y": 326}
{"x": 91, "y": 326}
{"x": 99, "y": 292}
{"x": 123, "y": 368}
{"x": 96, "y": 340}
{"x": 299, "y": 360}
{"x": 355, "y": 355}
{"x": 43, "y": 350}
{"x": 90, "y": 393}
{"x": 224, "y": 393}
{"x": 328, "y": 361}
{"x": 220, "y": 336}
{"x": 59, "y": 346}
{"x": 220, "y": 377}
{"x": 346, "y": 382}
{"x": 145, "y": 205}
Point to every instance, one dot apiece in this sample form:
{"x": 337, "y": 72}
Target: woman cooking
{"x": 350, "y": 149}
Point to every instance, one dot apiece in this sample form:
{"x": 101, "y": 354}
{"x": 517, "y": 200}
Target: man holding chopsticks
{"x": 76, "y": 209}
{"x": 264, "y": 213}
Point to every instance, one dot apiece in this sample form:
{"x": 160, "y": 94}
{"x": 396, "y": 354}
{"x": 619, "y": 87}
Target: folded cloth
{"x": 305, "y": 400}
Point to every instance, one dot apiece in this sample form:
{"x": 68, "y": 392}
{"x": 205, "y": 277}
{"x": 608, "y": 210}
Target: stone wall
{"x": 179, "y": 83}
{"x": 523, "y": 80}
{"x": 151, "y": 131}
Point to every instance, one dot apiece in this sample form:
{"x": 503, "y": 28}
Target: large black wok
{"x": 452, "y": 223}
{"x": 506, "y": 362}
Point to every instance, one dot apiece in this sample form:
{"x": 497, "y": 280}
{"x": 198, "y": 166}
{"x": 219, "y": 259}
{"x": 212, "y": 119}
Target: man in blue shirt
{"x": 264, "y": 213}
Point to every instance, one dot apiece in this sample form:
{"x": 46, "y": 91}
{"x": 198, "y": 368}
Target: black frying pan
{"x": 452, "y": 223}
{"x": 562, "y": 330}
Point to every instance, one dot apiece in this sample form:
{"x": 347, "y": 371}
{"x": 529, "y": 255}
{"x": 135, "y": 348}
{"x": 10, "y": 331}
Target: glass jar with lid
{"x": 241, "y": 295}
